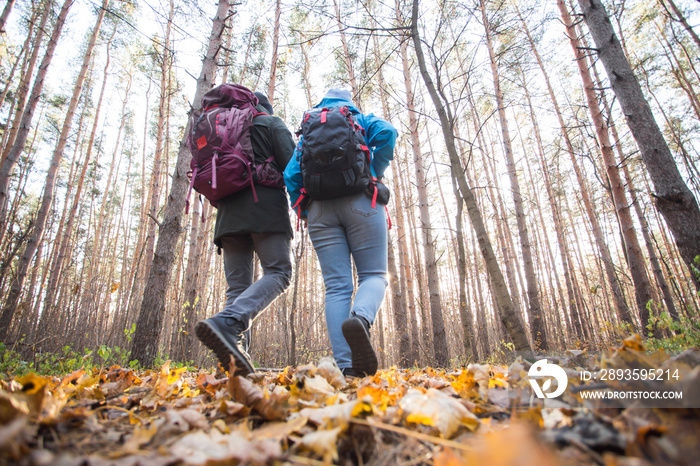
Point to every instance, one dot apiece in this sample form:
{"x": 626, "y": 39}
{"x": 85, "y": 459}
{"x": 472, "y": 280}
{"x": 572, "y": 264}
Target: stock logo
{"x": 542, "y": 369}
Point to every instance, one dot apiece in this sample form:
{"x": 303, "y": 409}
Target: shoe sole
{"x": 215, "y": 341}
{"x": 364, "y": 360}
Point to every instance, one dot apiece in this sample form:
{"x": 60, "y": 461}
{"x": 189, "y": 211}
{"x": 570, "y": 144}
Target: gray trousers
{"x": 245, "y": 299}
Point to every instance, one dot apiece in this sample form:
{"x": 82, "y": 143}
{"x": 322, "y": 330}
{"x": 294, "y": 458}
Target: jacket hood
{"x": 265, "y": 102}
{"x": 337, "y": 98}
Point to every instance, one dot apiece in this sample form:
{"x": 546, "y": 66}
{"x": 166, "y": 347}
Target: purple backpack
{"x": 222, "y": 153}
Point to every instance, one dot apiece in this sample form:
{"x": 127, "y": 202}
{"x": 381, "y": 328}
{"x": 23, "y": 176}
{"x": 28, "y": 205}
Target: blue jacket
{"x": 380, "y": 135}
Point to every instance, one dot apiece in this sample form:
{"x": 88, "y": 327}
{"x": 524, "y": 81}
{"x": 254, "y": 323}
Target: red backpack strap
{"x": 297, "y": 206}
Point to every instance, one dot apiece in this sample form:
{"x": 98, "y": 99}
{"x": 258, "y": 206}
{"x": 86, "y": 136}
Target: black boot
{"x": 356, "y": 333}
{"x": 224, "y": 336}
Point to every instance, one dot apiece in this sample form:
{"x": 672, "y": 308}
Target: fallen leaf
{"x": 435, "y": 409}
{"x": 323, "y": 443}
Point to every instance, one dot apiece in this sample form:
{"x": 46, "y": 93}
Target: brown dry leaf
{"x": 244, "y": 391}
{"x": 481, "y": 377}
{"x": 632, "y": 343}
{"x": 69, "y": 383}
{"x": 329, "y": 370}
{"x": 35, "y": 391}
{"x": 140, "y": 437}
{"x": 166, "y": 385}
{"x": 281, "y": 430}
{"x": 274, "y": 406}
{"x": 209, "y": 383}
{"x": 232, "y": 408}
{"x": 11, "y": 407}
{"x": 445, "y": 415}
{"x": 316, "y": 389}
{"x": 467, "y": 386}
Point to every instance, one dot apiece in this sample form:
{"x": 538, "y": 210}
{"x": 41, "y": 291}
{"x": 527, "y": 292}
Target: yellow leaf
{"x": 420, "y": 418}
{"x": 362, "y": 409}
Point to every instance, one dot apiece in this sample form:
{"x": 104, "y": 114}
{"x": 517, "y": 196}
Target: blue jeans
{"x": 341, "y": 228}
{"x": 245, "y": 299}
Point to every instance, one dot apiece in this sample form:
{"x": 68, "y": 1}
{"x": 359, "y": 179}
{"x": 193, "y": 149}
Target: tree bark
{"x": 673, "y": 198}
{"x": 398, "y": 298}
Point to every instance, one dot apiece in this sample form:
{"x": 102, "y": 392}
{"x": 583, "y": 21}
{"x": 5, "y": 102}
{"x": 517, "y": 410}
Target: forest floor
{"x": 313, "y": 415}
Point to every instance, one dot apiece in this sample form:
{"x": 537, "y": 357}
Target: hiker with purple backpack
{"x": 239, "y": 151}
{"x": 334, "y": 183}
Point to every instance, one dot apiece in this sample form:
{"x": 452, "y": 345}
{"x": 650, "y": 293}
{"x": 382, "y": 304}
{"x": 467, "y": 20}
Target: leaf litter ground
{"x": 311, "y": 414}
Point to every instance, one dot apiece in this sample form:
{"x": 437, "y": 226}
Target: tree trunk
{"x": 618, "y": 297}
{"x": 24, "y": 114}
{"x": 635, "y": 258}
{"x": 398, "y": 298}
{"x": 16, "y": 287}
{"x": 5, "y": 14}
{"x": 673, "y": 198}
{"x": 157, "y": 175}
{"x": 346, "y": 56}
{"x": 681, "y": 19}
{"x": 66, "y": 232}
{"x": 439, "y": 334}
{"x": 275, "y": 46}
{"x": 508, "y": 315}
{"x": 537, "y": 328}
{"x": 150, "y": 320}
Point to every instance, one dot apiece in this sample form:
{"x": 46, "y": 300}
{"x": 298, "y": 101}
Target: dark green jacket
{"x": 239, "y": 213}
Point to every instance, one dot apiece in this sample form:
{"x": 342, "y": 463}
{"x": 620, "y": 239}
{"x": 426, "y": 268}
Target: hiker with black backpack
{"x": 334, "y": 183}
{"x": 239, "y": 151}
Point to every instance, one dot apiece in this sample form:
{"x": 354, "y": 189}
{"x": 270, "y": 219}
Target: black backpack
{"x": 334, "y": 158}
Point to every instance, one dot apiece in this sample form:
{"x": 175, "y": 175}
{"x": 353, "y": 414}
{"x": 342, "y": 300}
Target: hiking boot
{"x": 349, "y": 372}
{"x": 356, "y": 333}
{"x": 224, "y": 336}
